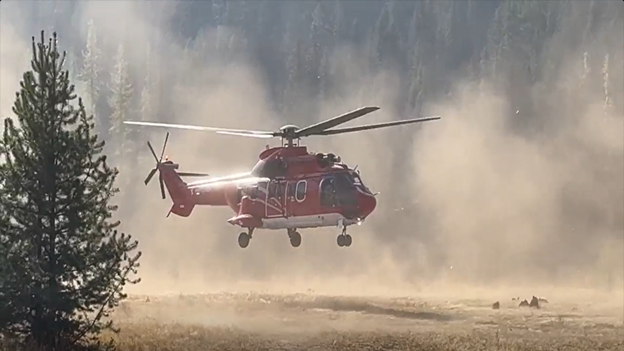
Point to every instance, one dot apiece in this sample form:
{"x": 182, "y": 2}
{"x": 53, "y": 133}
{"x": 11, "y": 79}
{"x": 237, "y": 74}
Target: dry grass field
{"x": 256, "y": 321}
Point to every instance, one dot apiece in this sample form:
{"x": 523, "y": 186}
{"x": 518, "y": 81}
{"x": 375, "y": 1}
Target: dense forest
{"x": 430, "y": 43}
{"x": 135, "y": 61}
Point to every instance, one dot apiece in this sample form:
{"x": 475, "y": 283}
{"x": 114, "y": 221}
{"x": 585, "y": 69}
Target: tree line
{"x": 429, "y": 43}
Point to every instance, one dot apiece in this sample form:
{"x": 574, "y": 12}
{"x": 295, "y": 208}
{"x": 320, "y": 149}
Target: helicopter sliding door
{"x": 275, "y": 203}
{"x": 296, "y": 194}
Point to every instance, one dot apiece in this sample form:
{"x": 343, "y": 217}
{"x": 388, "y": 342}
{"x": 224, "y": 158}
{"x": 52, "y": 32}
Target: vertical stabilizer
{"x": 169, "y": 178}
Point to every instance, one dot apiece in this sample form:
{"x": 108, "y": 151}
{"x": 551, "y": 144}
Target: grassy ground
{"x": 280, "y": 322}
{"x": 155, "y": 337}
{"x": 315, "y": 323}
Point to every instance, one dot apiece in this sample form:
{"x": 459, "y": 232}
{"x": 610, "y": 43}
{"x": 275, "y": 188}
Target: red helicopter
{"x": 288, "y": 188}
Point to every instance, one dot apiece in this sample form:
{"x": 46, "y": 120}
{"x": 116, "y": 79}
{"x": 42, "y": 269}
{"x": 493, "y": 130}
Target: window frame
{"x": 305, "y": 190}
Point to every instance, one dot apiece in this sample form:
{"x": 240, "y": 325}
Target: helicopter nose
{"x": 367, "y": 204}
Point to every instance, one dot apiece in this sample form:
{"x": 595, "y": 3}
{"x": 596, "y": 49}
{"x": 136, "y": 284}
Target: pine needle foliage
{"x": 63, "y": 262}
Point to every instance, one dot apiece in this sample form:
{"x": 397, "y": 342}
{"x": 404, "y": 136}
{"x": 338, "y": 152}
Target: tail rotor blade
{"x": 152, "y": 150}
{"x": 164, "y": 146}
{"x": 150, "y": 175}
{"x": 159, "y": 167}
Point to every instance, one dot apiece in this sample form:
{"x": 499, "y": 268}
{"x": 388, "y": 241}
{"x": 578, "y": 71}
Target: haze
{"x": 519, "y": 185}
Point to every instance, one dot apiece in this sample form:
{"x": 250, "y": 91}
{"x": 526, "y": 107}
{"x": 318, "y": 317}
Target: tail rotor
{"x": 160, "y": 165}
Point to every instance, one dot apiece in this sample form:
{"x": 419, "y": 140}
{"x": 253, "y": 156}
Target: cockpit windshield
{"x": 357, "y": 182}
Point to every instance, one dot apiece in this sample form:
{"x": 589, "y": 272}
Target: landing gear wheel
{"x": 295, "y": 239}
{"x": 340, "y": 240}
{"x": 243, "y": 240}
{"x": 347, "y": 240}
{"x": 344, "y": 239}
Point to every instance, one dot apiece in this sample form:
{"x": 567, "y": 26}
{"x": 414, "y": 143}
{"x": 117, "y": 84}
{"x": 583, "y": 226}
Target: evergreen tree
{"x": 119, "y": 102}
{"x": 7, "y": 313}
{"x": 443, "y": 45}
{"x": 322, "y": 40}
{"x": 64, "y": 264}
{"x": 146, "y": 93}
{"x": 296, "y": 91}
{"x": 91, "y": 68}
{"x": 497, "y": 42}
{"x": 339, "y": 28}
{"x": 386, "y": 38}
{"x": 421, "y": 39}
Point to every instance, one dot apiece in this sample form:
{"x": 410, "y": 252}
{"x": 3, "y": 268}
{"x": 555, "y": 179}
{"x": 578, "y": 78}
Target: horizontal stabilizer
{"x": 191, "y": 174}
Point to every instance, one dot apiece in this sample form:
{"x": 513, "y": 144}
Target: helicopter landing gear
{"x": 295, "y": 237}
{"x": 244, "y": 238}
{"x": 344, "y": 239}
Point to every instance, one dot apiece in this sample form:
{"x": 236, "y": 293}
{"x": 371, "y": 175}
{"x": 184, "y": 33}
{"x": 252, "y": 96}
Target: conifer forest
{"x": 516, "y": 192}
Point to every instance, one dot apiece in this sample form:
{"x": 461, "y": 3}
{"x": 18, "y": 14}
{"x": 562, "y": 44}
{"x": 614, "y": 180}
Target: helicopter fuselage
{"x": 288, "y": 188}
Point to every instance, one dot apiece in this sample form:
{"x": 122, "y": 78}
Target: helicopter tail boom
{"x": 169, "y": 178}
{"x": 180, "y": 195}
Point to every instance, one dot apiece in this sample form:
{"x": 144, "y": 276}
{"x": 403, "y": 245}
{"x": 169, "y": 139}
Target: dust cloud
{"x": 535, "y": 201}
{"x": 201, "y": 252}
{"x": 503, "y": 206}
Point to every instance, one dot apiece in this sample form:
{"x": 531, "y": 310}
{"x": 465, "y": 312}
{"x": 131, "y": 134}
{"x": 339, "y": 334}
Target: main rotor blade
{"x": 150, "y": 175}
{"x": 246, "y": 134}
{"x": 376, "y": 126}
{"x": 153, "y": 153}
{"x": 315, "y": 129}
{"x": 191, "y": 174}
{"x": 200, "y": 128}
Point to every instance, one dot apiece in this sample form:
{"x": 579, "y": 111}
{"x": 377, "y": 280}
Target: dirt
{"x": 307, "y": 320}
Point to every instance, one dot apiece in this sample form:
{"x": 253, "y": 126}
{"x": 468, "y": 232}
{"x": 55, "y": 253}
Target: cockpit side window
{"x": 328, "y": 192}
{"x": 344, "y": 182}
{"x": 357, "y": 181}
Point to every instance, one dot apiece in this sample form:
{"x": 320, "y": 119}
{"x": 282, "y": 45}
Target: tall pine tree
{"x": 64, "y": 264}
{"x": 148, "y": 87}
{"x": 119, "y": 102}
{"x": 90, "y": 72}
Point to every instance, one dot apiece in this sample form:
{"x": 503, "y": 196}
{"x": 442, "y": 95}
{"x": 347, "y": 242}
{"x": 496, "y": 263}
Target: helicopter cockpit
{"x": 339, "y": 189}
{"x": 357, "y": 181}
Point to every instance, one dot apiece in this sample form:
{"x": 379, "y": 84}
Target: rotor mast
{"x": 289, "y": 135}
{"x": 290, "y": 142}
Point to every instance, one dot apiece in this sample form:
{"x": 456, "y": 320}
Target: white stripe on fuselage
{"x": 210, "y": 183}
{"x": 311, "y": 221}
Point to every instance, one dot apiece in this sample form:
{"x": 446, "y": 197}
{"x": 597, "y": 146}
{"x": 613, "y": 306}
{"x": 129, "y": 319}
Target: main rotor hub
{"x": 289, "y": 133}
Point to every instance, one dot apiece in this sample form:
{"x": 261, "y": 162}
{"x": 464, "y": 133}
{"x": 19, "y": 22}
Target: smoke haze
{"x": 498, "y": 202}
{"x": 13, "y": 61}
